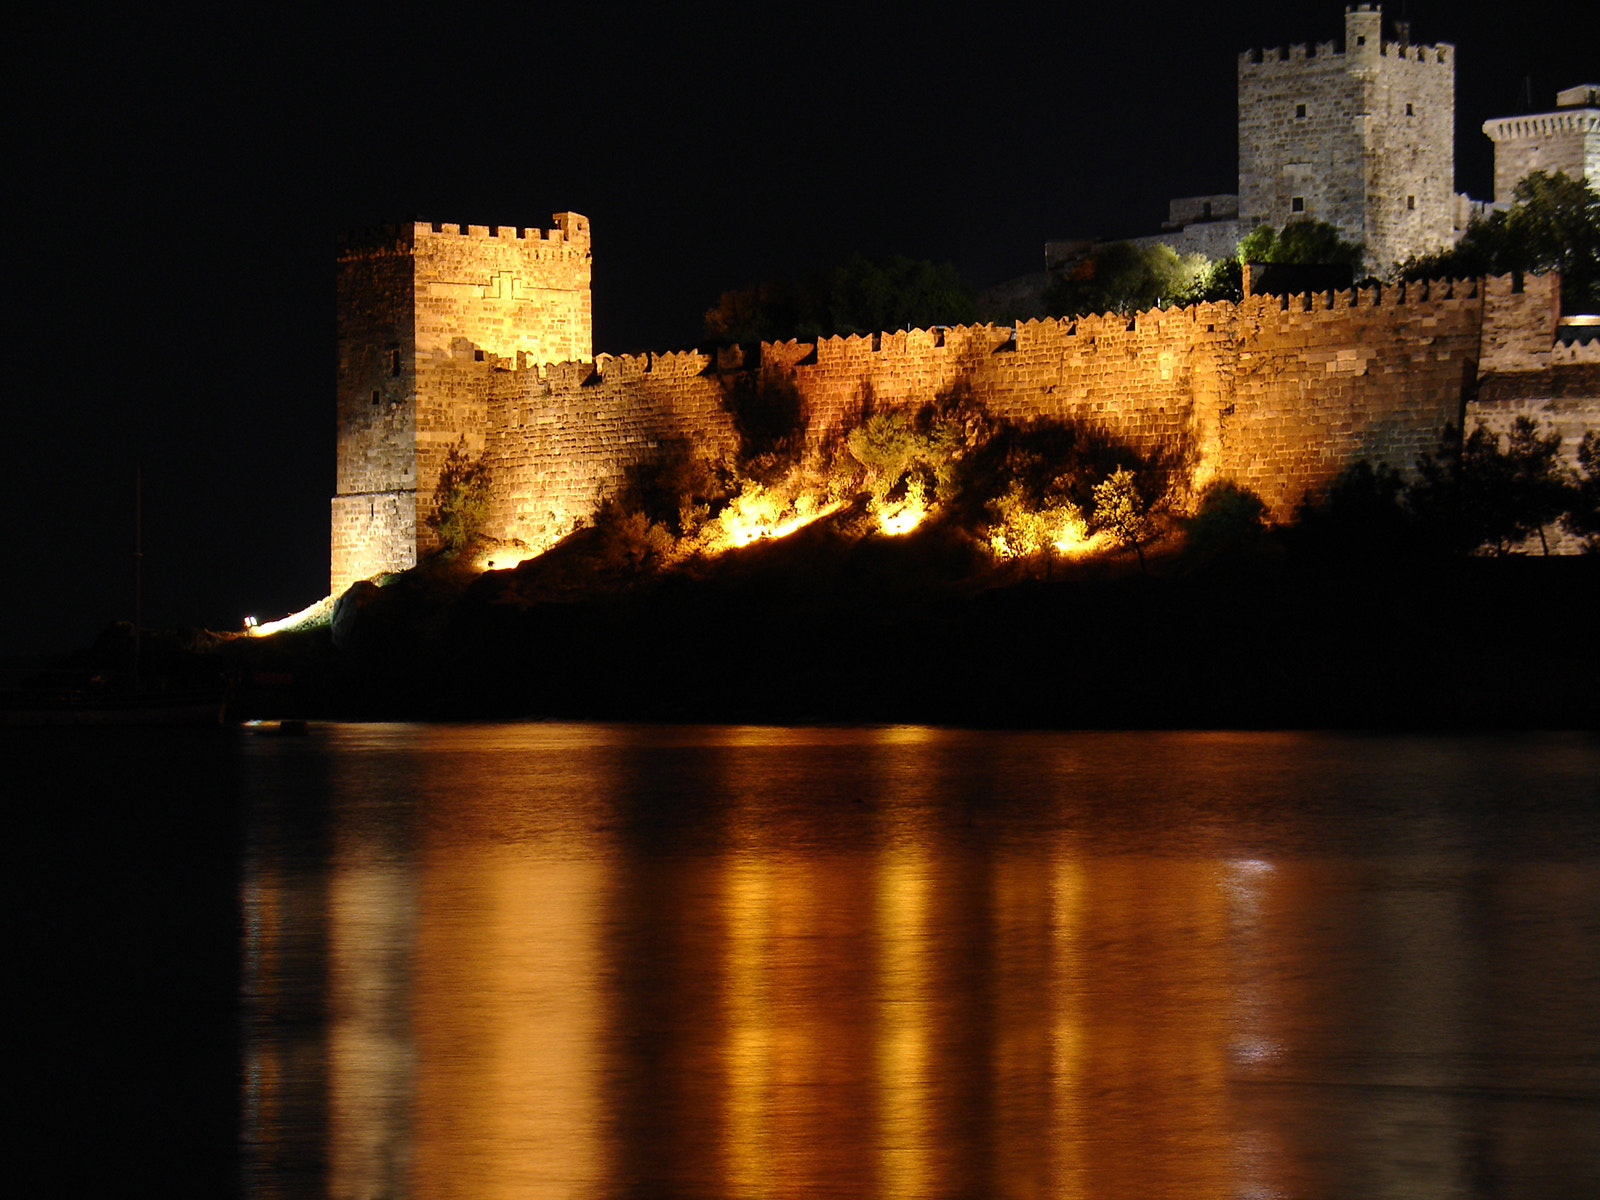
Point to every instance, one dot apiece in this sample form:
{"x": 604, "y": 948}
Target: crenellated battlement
{"x": 569, "y": 228}
{"x": 1302, "y": 52}
{"x": 1415, "y": 300}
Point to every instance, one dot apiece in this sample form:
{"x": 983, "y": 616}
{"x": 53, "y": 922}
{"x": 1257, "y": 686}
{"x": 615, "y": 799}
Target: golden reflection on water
{"x": 548, "y": 977}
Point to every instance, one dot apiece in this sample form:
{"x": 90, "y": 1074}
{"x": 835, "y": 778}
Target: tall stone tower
{"x": 416, "y": 304}
{"x": 1359, "y": 135}
{"x": 1566, "y": 140}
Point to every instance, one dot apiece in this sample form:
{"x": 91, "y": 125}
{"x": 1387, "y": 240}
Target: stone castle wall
{"x": 1566, "y": 141}
{"x": 414, "y": 301}
{"x": 1279, "y": 396}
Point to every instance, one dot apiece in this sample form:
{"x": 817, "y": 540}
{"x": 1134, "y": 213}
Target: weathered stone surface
{"x": 1360, "y": 135}
{"x": 420, "y": 308}
{"x": 1278, "y": 394}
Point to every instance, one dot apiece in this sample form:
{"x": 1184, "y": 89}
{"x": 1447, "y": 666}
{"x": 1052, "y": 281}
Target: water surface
{"x": 609, "y": 961}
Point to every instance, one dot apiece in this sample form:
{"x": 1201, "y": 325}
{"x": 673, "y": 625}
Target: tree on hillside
{"x": 862, "y": 295}
{"x": 1122, "y": 512}
{"x": 1125, "y": 278}
{"x": 461, "y": 499}
{"x": 1474, "y": 495}
{"x": 1553, "y": 225}
{"x": 1583, "y": 518}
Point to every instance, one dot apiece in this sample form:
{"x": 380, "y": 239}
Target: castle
{"x": 1361, "y": 134}
{"x": 484, "y": 333}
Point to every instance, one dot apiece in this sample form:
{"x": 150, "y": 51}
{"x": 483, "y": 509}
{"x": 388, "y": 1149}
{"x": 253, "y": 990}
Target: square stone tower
{"x": 417, "y": 303}
{"x": 1359, "y": 135}
{"x": 1566, "y": 140}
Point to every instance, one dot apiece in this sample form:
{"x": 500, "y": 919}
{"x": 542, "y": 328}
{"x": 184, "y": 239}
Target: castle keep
{"x": 1361, "y": 136}
{"x": 416, "y": 304}
{"x": 450, "y": 332}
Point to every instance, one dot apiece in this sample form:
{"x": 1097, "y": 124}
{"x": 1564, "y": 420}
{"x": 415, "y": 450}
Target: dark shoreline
{"x": 1269, "y": 643}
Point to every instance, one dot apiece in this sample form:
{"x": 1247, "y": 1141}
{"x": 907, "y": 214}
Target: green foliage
{"x": 1553, "y": 225}
{"x": 1228, "y": 520}
{"x": 1473, "y": 496}
{"x": 1363, "y": 512}
{"x": 901, "y": 450}
{"x": 860, "y": 296}
{"x": 1127, "y": 278}
{"x": 1022, "y": 527}
{"x": 1222, "y": 280}
{"x": 1303, "y": 242}
{"x": 1121, "y": 511}
{"x": 461, "y": 498}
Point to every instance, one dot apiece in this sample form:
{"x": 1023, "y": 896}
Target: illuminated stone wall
{"x": 1567, "y": 140}
{"x": 1361, "y": 136}
{"x": 562, "y": 436}
{"x": 1278, "y": 396}
{"x": 420, "y": 307}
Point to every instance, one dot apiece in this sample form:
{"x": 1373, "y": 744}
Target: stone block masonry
{"x": 444, "y": 336}
{"x": 1360, "y": 135}
{"x": 420, "y": 307}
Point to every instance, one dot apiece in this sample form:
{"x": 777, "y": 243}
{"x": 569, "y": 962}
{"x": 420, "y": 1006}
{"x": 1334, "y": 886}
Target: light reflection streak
{"x": 881, "y": 991}
{"x": 904, "y": 990}
{"x": 748, "y": 905}
{"x": 1067, "y": 1050}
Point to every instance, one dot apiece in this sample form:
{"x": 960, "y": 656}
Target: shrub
{"x": 461, "y": 498}
{"x": 1122, "y": 512}
{"x": 1228, "y": 519}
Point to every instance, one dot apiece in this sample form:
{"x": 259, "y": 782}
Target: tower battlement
{"x": 1566, "y": 140}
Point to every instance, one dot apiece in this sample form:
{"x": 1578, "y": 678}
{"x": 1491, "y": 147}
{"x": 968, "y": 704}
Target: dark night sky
{"x": 179, "y": 179}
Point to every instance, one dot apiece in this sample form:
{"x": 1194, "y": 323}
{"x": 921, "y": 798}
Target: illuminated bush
{"x": 912, "y": 461}
{"x": 1122, "y": 512}
{"x": 1021, "y": 528}
{"x": 461, "y": 499}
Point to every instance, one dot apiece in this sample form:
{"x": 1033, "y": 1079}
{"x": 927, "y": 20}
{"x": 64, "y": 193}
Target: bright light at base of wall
{"x": 313, "y": 614}
{"x": 501, "y": 558}
{"x": 743, "y": 533}
{"x": 1076, "y": 545}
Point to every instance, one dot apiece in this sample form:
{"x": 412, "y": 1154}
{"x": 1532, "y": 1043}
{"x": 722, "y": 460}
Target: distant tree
{"x": 1473, "y": 495}
{"x": 762, "y": 312}
{"x": 862, "y": 295}
{"x": 1302, "y": 242}
{"x": 1122, "y": 512}
{"x": 1553, "y": 225}
{"x": 1125, "y": 278}
{"x": 461, "y": 498}
{"x": 1222, "y": 280}
{"x": 1582, "y": 519}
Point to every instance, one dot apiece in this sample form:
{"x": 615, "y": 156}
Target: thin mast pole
{"x": 138, "y": 563}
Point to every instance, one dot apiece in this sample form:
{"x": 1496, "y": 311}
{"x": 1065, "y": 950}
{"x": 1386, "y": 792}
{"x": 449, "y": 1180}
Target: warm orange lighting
{"x": 897, "y": 517}
{"x": 501, "y": 558}
{"x": 308, "y": 617}
{"x": 759, "y": 512}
